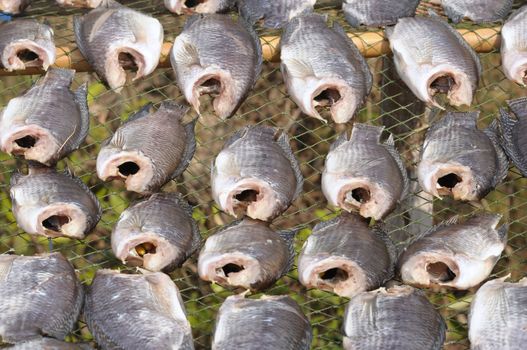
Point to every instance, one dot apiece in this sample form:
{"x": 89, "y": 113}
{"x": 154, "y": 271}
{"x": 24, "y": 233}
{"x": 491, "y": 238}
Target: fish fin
{"x": 257, "y": 45}
{"x": 141, "y": 113}
{"x": 380, "y": 231}
{"x": 389, "y": 31}
{"x": 79, "y": 36}
{"x": 177, "y": 109}
{"x": 298, "y": 68}
{"x": 455, "y": 119}
{"x": 81, "y": 98}
{"x": 35, "y": 168}
{"x": 389, "y": 145}
{"x": 190, "y": 20}
{"x": 289, "y": 237}
{"x": 341, "y": 139}
{"x": 366, "y": 133}
{"x": 188, "y": 55}
{"x": 518, "y": 107}
{"x": 62, "y": 75}
{"x": 283, "y": 142}
{"x": 190, "y": 148}
{"x": 508, "y": 126}
{"x": 503, "y": 163}
{"x": 502, "y": 232}
{"x": 322, "y": 225}
{"x": 443, "y": 224}
{"x": 237, "y": 135}
{"x": 352, "y": 20}
{"x": 110, "y": 4}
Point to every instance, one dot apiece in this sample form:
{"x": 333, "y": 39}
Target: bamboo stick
{"x": 370, "y": 44}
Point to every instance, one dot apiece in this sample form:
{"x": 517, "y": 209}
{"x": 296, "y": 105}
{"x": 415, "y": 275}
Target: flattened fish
{"x": 432, "y": 57}
{"x": 513, "y": 132}
{"x": 187, "y": 7}
{"x": 451, "y": 254}
{"x": 247, "y": 254}
{"x": 40, "y": 295}
{"x": 256, "y": 173}
{"x": 48, "y": 122}
{"x": 346, "y": 257}
{"x": 13, "y": 7}
{"x": 149, "y": 149}
{"x": 459, "y": 160}
{"x": 362, "y": 173}
{"x": 322, "y": 68}
{"x": 268, "y": 323}
{"x": 396, "y": 318}
{"x": 145, "y": 311}
{"x": 498, "y": 315}
{"x": 26, "y": 43}
{"x": 53, "y": 204}
{"x": 80, "y": 3}
{"x": 48, "y": 344}
{"x": 377, "y": 12}
{"x": 275, "y": 14}
{"x": 218, "y": 56}
{"x": 514, "y": 47}
{"x": 158, "y": 233}
{"x": 478, "y": 11}
{"x": 113, "y": 38}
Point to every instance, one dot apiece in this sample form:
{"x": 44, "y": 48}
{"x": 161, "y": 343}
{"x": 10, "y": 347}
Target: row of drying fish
{"x": 218, "y": 55}
{"x": 42, "y": 299}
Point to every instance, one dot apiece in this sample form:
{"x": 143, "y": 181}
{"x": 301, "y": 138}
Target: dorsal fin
{"x": 380, "y": 231}
{"x": 81, "y": 99}
{"x": 366, "y": 133}
{"x": 190, "y": 148}
{"x": 502, "y": 168}
{"x": 141, "y": 113}
{"x": 389, "y": 145}
{"x": 456, "y": 119}
{"x": 323, "y": 225}
{"x": 443, "y": 224}
{"x": 508, "y": 127}
{"x": 79, "y": 36}
{"x": 62, "y": 75}
{"x": 518, "y": 107}
{"x": 289, "y": 237}
{"x": 256, "y": 42}
{"x": 340, "y": 140}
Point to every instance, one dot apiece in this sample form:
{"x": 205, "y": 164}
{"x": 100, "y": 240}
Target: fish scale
{"x": 513, "y": 128}
{"x": 377, "y": 12}
{"x": 275, "y": 14}
{"x": 478, "y": 11}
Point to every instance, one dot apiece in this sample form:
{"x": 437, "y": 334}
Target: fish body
{"x": 219, "y": 56}
{"x": 513, "y": 132}
{"x": 459, "y": 160}
{"x": 396, "y": 318}
{"x": 247, "y": 254}
{"x": 40, "y": 295}
{"x": 322, "y": 68}
{"x": 48, "y": 122}
{"x": 451, "y": 254}
{"x": 268, "y": 323}
{"x": 13, "y": 7}
{"x": 275, "y": 14}
{"x": 363, "y": 174}
{"x": 53, "y": 204}
{"x": 345, "y": 256}
{"x": 498, "y": 316}
{"x": 514, "y": 46}
{"x": 186, "y": 7}
{"x": 49, "y": 344}
{"x": 377, "y": 12}
{"x": 432, "y": 57}
{"x": 125, "y": 311}
{"x": 149, "y": 149}
{"x": 113, "y": 37}
{"x": 157, "y": 234}
{"x": 80, "y": 3}
{"x": 26, "y": 43}
{"x": 478, "y": 11}
{"x": 256, "y": 173}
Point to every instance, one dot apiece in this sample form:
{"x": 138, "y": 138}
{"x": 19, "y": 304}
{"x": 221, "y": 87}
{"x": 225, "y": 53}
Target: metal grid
{"x": 389, "y": 104}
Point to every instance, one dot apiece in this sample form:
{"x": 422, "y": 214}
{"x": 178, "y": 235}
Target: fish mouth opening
{"x": 247, "y": 196}
{"x": 360, "y": 194}
{"x": 55, "y": 222}
{"x": 145, "y": 248}
{"x": 128, "y": 168}
{"x": 327, "y": 97}
{"x": 243, "y": 199}
{"x": 27, "y": 141}
{"x": 193, "y": 3}
{"x": 26, "y": 55}
{"x": 211, "y": 85}
{"x": 334, "y": 275}
{"x": 229, "y": 268}
{"x": 449, "y": 180}
{"x": 440, "y": 272}
{"x": 443, "y": 83}
{"x": 127, "y": 61}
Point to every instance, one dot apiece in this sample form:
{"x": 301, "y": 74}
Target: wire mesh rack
{"x": 390, "y": 104}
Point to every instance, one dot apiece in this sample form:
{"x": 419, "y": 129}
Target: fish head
{"x": 188, "y": 7}
{"x": 234, "y": 269}
{"x": 131, "y": 165}
{"x": 448, "y": 179}
{"x": 430, "y": 268}
{"x": 515, "y": 66}
{"x": 13, "y": 6}
{"x": 335, "y": 274}
{"x": 455, "y": 84}
{"x": 23, "y": 54}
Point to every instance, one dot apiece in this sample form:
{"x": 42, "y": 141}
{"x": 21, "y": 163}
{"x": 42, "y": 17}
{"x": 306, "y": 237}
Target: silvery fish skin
{"x": 48, "y": 122}
{"x": 432, "y": 57}
{"x": 514, "y": 47}
{"x": 345, "y": 256}
{"x": 149, "y": 149}
{"x": 80, "y": 3}
{"x": 478, "y": 11}
{"x": 451, "y": 254}
{"x": 513, "y": 132}
{"x": 377, "y": 12}
{"x": 219, "y": 56}
{"x": 26, "y": 43}
{"x": 13, "y": 7}
{"x": 40, "y": 295}
{"x": 48, "y": 344}
{"x": 363, "y": 174}
{"x": 113, "y": 37}
{"x": 256, "y": 174}
{"x": 247, "y": 254}
{"x": 271, "y": 322}
{"x": 275, "y": 14}
{"x": 396, "y": 318}
{"x": 459, "y": 160}
{"x": 125, "y": 311}
{"x": 186, "y": 7}
{"x": 158, "y": 233}
{"x": 322, "y": 67}
{"x": 53, "y": 204}
{"x": 498, "y": 314}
